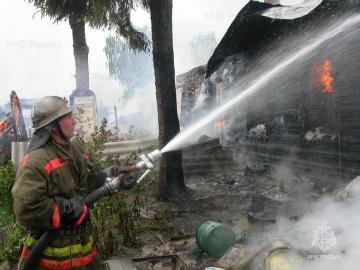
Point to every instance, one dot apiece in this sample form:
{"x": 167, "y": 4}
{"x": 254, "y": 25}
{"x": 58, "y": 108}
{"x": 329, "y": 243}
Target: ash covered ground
{"x": 252, "y": 198}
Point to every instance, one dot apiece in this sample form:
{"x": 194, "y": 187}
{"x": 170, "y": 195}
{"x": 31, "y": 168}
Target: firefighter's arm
{"x": 126, "y": 174}
{"x": 33, "y": 208}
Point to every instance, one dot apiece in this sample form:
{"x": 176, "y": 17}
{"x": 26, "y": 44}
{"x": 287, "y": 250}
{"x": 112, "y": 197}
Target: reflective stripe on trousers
{"x": 67, "y": 257}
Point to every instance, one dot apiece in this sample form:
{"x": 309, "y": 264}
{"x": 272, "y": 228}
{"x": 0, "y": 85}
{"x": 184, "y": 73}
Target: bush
{"x": 7, "y": 179}
{"x": 114, "y": 222}
{"x": 10, "y": 233}
{"x": 117, "y": 220}
{"x": 10, "y": 243}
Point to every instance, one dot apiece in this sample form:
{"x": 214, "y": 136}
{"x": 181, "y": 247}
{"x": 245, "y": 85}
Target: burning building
{"x": 306, "y": 118}
{"x": 188, "y": 86}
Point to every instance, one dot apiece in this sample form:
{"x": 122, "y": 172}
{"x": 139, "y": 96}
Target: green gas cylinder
{"x": 215, "y": 238}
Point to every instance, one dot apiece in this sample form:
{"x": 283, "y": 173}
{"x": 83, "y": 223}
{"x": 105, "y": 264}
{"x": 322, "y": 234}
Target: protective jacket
{"x": 51, "y": 171}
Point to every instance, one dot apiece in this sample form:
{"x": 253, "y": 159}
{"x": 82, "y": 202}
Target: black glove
{"x": 115, "y": 170}
{"x": 72, "y": 211}
{"x": 96, "y": 179}
{"x": 112, "y": 171}
{"x": 128, "y": 182}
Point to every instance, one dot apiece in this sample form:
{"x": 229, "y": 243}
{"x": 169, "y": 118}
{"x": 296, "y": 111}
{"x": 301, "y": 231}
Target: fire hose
{"x": 111, "y": 185}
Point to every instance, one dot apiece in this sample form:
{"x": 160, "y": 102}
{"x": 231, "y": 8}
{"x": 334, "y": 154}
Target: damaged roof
{"x": 251, "y": 30}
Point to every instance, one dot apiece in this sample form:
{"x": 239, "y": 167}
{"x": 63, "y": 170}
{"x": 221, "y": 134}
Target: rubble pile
{"x": 233, "y": 178}
{"x": 255, "y": 199}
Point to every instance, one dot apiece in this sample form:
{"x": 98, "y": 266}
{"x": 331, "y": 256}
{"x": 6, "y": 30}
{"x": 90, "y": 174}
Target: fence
{"x": 123, "y": 149}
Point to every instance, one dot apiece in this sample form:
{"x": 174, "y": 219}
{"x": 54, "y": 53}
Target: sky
{"x": 37, "y": 57}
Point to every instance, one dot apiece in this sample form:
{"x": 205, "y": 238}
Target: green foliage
{"x": 121, "y": 216}
{"x": 131, "y": 159}
{"x": 7, "y": 179}
{"x": 95, "y": 146}
{"x": 117, "y": 220}
{"x": 127, "y": 65}
{"x": 11, "y": 238}
{"x": 111, "y": 14}
{"x": 10, "y": 233}
{"x": 98, "y": 138}
{"x": 118, "y": 215}
{"x": 115, "y": 14}
{"x": 127, "y": 222}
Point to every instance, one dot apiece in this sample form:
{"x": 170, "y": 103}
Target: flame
{"x": 323, "y": 77}
{"x": 326, "y": 77}
{"x": 219, "y": 124}
{"x": 4, "y": 125}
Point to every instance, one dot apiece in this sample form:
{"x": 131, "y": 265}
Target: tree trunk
{"x": 171, "y": 172}
{"x": 81, "y": 52}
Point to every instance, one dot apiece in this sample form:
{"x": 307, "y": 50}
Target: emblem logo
{"x": 324, "y": 237}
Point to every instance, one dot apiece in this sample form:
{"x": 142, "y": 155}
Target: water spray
{"x": 262, "y": 81}
{"x": 147, "y": 161}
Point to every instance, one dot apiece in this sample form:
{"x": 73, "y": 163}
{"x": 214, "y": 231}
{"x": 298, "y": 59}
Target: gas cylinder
{"x": 216, "y": 238}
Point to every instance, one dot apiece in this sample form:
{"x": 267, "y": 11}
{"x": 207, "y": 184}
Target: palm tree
{"x": 171, "y": 171}
{"x": 111, "y": 14}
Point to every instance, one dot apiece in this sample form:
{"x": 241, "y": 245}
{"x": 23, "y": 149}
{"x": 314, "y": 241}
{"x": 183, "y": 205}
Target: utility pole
{"x": 116, "y": 122}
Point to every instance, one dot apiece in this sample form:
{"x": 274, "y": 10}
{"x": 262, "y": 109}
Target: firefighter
{"x": 53, "y": 177}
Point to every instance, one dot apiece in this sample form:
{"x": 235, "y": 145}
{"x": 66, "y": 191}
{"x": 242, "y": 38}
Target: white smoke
{"x": 327, "y": 235}
{"x": 140, "y": 113}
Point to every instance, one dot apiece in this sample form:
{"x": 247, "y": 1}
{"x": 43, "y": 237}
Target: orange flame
{"x": 326, "y": 77}
{"x": 323, "y": 76}
{"x": 219, "y": 124}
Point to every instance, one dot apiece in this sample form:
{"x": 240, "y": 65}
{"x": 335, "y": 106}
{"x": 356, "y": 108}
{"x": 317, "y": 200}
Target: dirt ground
{"x": 247, "y": 197}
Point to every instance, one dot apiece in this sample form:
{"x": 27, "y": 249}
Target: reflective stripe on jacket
{"x": 45, "y": 173}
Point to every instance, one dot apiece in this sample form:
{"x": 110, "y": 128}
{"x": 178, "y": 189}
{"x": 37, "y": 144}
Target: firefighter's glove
{"x": 115, "y": 170}
{"x": 71, "y": 211}
{"x": 112, "y": 171}
{"x": 128, "y": 182}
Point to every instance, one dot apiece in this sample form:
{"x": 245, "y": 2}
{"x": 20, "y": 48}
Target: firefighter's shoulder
{"x": 36, "y": 157}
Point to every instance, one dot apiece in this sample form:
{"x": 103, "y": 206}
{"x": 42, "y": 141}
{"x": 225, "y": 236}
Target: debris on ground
{"x": 248, "y": 199}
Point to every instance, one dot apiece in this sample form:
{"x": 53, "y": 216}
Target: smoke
{"x": 327, "y": 235}
{"x": 202, "y": 46}
{"x": 140, "y": 112}
{"x": 201, "y": 107}
{"x": 204, "y": 103}
{"x": 287, "y": 180}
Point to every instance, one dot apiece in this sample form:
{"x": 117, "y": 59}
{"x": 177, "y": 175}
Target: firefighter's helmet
{"x": 48, "y": 109}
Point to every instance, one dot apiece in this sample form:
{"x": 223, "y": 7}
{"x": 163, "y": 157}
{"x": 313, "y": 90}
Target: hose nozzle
{"x": 147, "y": 160}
